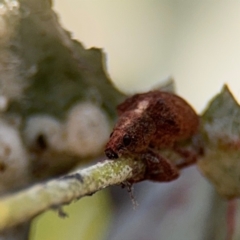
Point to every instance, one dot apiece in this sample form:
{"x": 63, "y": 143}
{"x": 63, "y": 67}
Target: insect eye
{"x": 126, "y": 140}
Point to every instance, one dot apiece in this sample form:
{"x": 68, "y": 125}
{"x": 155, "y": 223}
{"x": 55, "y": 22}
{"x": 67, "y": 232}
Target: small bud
{"x": 14, "y": 167}
{"x": 87, "y": 129}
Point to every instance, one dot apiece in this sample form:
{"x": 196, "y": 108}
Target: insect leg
{"x": 192, "y": 154}
{"x": 189, "y": 157}
{"x": 159, "y": 169}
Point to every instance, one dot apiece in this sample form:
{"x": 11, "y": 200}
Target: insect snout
{"x": 111, "y": 154}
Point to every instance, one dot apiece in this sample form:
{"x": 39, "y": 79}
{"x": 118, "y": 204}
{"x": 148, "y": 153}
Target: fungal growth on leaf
{"x": 151, "y": 122}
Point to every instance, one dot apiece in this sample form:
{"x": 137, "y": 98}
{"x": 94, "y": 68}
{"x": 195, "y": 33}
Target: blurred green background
{"x": 87, "y": 219}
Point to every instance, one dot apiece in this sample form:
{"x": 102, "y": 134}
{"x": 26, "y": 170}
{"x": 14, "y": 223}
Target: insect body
{"x": 152, "y": 121}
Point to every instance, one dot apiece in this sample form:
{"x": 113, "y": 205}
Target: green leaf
{"x": 221, "y": 133}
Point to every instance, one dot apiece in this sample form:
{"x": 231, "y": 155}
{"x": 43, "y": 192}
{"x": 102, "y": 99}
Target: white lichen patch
{"x": 14, "y": 171}
{"x": 9, "y": 14}
{"x": 12, "y": 75}
{"x": 9, "y": 6}
{"x": 3, "y": 29}
{"x": 87, "y": 129}
{"x": 3, "y": 103}
{"x": 11, "y": 79}
{"x": 49, "y": 128}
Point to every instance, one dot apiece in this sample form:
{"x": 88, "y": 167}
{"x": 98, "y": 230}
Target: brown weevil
{"x": 148, "y": 123}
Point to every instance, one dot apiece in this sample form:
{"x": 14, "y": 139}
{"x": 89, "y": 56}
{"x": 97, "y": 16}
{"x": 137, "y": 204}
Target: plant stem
{"x": 26, "y": 204}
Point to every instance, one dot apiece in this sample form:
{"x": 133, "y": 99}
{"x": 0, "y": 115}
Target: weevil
{"x": 148, "y": 123}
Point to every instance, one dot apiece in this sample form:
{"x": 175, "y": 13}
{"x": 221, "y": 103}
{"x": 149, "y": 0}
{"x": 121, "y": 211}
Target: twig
{"x": 24, "y": 205}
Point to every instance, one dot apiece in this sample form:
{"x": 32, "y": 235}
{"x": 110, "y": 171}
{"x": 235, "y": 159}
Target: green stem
{"x": 24, "y": 205}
